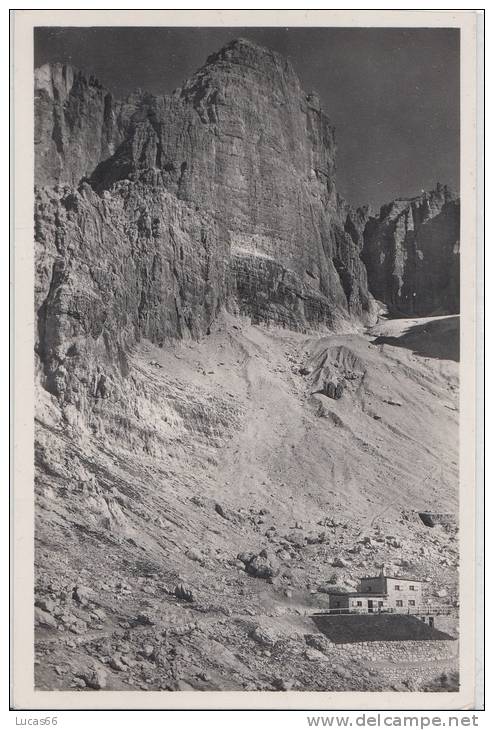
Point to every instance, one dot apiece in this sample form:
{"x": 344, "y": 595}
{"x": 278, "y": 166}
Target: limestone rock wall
{"x": 241, "y": 142}
{"x": 111, "y": 270}
{"x": 412, "y": 254}
{"x": 77, "y": 123}
{"x": 155, "y": 212}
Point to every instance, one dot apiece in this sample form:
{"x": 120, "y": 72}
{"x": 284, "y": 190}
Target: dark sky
{"x": 392, "y": 94}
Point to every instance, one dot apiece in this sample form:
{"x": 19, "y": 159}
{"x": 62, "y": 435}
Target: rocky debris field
{"x": 190, "y": 523}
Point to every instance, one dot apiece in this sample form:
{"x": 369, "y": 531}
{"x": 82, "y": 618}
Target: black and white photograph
{"x": 247, "y": 245}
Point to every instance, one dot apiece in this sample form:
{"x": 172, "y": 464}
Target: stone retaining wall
{"x": 417, "y": 665}
{"x": 399, "y": 651}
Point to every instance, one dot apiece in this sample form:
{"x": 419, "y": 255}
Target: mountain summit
{"x": 245, "y": 160}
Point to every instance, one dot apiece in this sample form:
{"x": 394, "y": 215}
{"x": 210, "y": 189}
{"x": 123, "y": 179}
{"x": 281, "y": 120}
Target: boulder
{"x": 263, "y": 636}
{"x": 283, "y": 555}
{"x": 117, "y": 664}
{"x": 283, "y": 685}
{"x": 43, "y": 618}
{"x": 99, "y": 614}
{"x": 317, "y": 641}
{"x": 340, "y": 563}
{"x": 246, "y": 557}
{"x": 221, "y": 511}
{"x": 296, "y": 538}
{"x": 46, "y": 604}
{"x": 78, "y": 626}
{"x": 82, "y": 594}
{"x": 264, "y": 565}
{"x": 334, "y": 388}
{"x": 96, "y": 678}
{"x": 78, "y": 683}
{"x": 147, "y": 650}
{"x": 195, "y": 556}
{"x": 144, "y": 619}
{"x": 313, "y": 655}
{"x": 185, "y": 594}
{"x": 316, "y": 538}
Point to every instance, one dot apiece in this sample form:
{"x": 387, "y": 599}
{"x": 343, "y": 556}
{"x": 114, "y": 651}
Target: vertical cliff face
{"x": 411, "y": 252}
{"x": 114, "y": 269}
{"x": 155, "y": 213}
{"x": 77, "y": 123}
{"x": 240, "y": 141}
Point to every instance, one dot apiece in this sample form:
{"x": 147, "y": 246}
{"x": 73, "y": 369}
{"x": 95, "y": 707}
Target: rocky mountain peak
{"x": 241, "y": 162}
{"x": 256, "y": 74}
{"x": 54, "y": 79}
{"x": 59, "y": 79}
{"x": 425, "y": 205}
{"x": 245, "y": 52}
{"x": 76, "y": 124}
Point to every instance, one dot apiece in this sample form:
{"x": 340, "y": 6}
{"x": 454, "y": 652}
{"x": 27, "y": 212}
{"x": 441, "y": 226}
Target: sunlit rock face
{"x": 240, "y": 142}
{"x": 155, "y": 213}
{"x": 77, "y": 123}
{"x": 110, "y": 270}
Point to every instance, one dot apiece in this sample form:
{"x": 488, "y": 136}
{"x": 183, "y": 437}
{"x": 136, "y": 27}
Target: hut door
{"x": 371, "y": 606}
